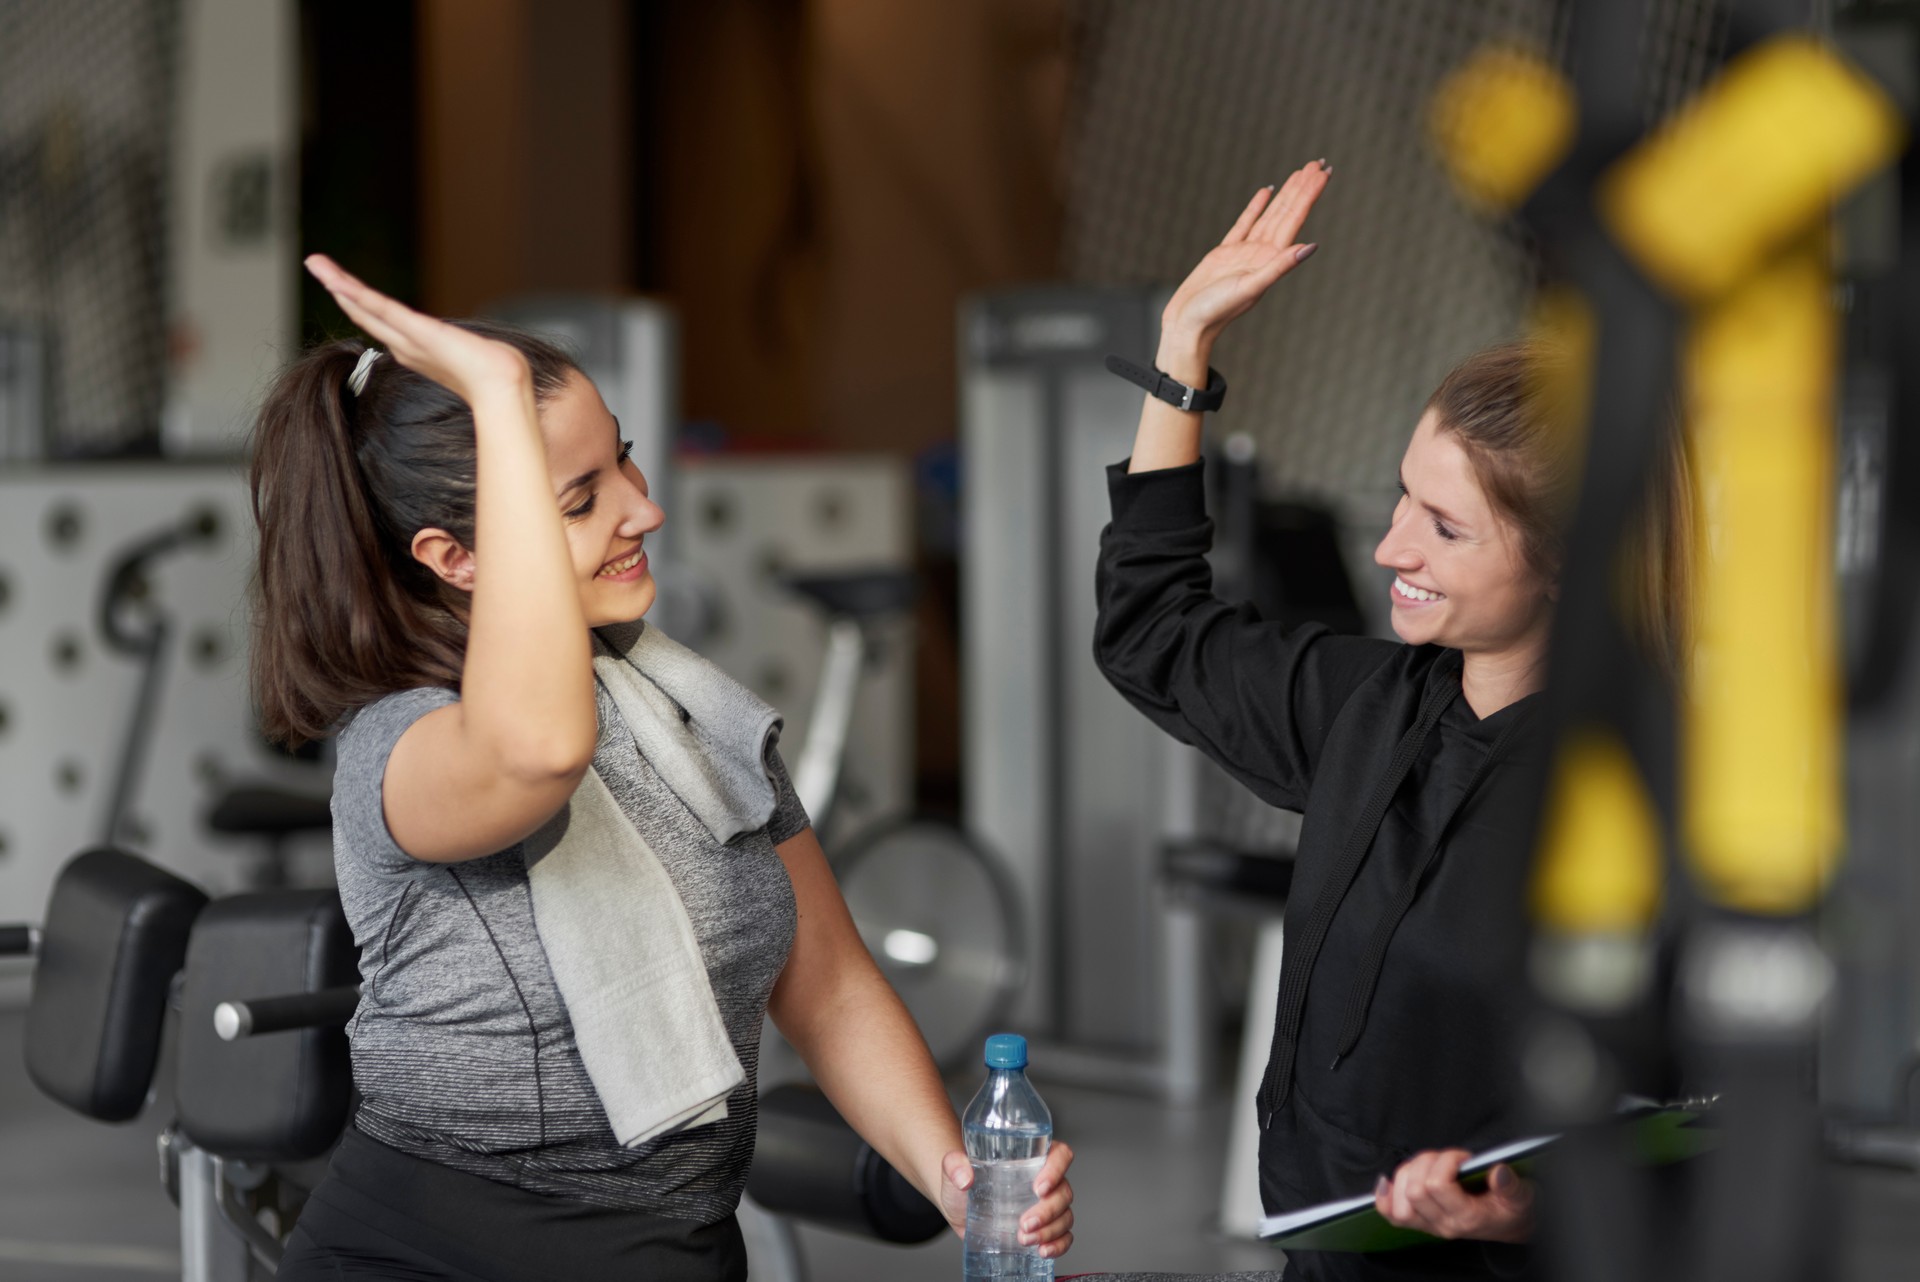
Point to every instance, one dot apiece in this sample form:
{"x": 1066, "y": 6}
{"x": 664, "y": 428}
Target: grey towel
{"x": 706, "y": 734}
{"x": 616, "y": 935}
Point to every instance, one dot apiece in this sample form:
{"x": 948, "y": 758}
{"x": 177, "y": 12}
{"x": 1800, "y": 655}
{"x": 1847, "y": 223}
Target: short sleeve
{"x": 360, "y": 770}
{"x": 789, "y": 815}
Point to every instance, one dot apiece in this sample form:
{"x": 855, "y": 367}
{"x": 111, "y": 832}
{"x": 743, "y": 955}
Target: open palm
{"x": 1259, "y": 249}
{"x": 465, "y": 363}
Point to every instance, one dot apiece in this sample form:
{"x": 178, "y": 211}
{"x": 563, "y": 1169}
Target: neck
{"x": 1492, "y": 680}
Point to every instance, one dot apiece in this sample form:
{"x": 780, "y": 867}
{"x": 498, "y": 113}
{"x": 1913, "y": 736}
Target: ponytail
{"x": 341, "y": 483}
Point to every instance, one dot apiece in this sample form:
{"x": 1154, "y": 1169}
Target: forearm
{"x": 1167, "y": 436}
{"x": 865, "y": 1051}
{"x": 527, "y": 684}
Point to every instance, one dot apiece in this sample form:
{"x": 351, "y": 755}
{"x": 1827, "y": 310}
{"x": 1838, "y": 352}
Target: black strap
{"x": 1360, "y": 999}
{"x": 1171, "y": 390}
{"x": 1442, "y": 689}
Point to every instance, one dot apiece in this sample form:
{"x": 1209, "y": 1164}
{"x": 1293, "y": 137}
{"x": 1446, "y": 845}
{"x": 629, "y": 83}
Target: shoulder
{"x": 1380, "y": 681}
{"x": 389, "y": 716}
{"x": 1344, "y": 664}
{"x": 360, "y": 766}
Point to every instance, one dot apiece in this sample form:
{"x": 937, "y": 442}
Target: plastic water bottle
{"x": 1008, "y": 1130}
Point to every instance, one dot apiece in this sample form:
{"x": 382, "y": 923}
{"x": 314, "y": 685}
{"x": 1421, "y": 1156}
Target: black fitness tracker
{"x": 1172, "y": 390}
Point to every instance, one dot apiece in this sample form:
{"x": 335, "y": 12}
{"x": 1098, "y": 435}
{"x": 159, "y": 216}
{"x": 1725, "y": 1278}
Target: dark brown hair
{"x": 342, "y": 612}
{"x": 1515, "y": 411}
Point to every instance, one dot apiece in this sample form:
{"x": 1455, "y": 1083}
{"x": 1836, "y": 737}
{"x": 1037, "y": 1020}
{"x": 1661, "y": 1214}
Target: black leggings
{"x": 327, "y": 1246}
{"x": 382, "y": 1214}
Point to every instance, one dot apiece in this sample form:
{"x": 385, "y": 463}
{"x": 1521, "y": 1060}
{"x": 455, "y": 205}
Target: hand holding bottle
{"x": 1019, "y": 1205}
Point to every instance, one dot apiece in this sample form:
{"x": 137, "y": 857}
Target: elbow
{"x": 550, "y": 760}
{"x": 1116, "y": 650}
{"x": 530, "y": 751}
{"x": 1107, "y": 632}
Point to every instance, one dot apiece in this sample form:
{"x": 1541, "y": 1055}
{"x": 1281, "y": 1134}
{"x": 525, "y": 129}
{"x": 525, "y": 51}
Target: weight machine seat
{"x": 115, "y": 934}
{"x": 275, "y": 1097}
{"x": 264, "y": 810}
{"x": 865, "y": 594}
{"x": 809, "y": 1164}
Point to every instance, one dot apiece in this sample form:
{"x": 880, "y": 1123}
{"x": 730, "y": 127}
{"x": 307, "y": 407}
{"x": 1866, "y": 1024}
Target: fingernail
{"x": 1380, "y": 1186}
{"x": 1502, "y": 1178}
{"x": 1322, "y": 162}
{"x": 1305, "y": 252}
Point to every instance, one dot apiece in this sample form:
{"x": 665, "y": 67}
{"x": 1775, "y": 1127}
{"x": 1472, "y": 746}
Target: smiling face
{"x": 603, "y": 503}
{"x": 1461, "y": 577}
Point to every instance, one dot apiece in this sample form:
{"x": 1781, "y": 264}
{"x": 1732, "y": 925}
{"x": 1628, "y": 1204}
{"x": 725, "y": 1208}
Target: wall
{"x": 526, "y": 150}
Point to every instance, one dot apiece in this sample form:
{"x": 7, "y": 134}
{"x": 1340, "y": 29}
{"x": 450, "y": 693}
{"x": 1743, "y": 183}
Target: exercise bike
{"x": 936, "y": 908}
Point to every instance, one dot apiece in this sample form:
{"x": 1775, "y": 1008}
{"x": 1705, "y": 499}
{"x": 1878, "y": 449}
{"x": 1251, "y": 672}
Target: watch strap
{"x": 1165, "y": 387}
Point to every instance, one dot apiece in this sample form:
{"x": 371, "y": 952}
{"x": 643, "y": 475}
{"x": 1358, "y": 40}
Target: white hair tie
{"x": 357, "y": 381}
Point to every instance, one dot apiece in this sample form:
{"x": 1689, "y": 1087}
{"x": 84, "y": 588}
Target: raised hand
{"x": 1258, "y": 250}
{"x": 464, "y": 363}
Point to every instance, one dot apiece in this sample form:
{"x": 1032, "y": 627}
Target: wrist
{"x": 935, "y": 1179}
{"x": 950, "y": 1143}
{"x": 1185, "y": 355}
{"x": 502, "y": 400}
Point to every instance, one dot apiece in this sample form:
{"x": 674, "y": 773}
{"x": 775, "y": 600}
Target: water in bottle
{"x": 1008, "y": 1130}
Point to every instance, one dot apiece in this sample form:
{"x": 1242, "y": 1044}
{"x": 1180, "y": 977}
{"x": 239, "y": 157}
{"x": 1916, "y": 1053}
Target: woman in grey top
{"x": 449, "y": 531}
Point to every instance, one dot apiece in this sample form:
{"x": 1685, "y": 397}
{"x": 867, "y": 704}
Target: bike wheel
{"x": 942, "y": 918}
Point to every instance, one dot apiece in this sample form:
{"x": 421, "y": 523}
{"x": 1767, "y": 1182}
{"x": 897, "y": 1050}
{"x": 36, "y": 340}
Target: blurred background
{"x": 847, "y": 271}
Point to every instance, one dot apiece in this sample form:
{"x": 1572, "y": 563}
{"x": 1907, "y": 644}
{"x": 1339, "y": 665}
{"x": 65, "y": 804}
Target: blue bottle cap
{"x": 1006, "y": 1050}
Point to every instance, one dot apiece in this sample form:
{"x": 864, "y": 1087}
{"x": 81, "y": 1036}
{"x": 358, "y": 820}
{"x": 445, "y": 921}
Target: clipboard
{"x": 1661, "y": 1136}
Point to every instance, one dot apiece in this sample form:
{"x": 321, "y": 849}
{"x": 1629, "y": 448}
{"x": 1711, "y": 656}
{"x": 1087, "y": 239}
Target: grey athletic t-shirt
{"x": 462, "y": 1051}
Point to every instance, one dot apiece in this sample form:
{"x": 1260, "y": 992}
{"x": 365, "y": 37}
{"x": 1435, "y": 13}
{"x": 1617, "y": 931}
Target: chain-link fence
{"x": 86, "y": 96}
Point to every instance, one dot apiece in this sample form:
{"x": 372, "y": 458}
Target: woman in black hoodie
{"x": 1402, "y": 992}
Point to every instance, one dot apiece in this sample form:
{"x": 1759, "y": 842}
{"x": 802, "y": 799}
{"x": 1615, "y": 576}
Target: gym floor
{"x": 81, "y": 1202}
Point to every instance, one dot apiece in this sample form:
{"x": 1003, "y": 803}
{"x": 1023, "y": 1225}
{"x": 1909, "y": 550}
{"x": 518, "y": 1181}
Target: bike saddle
{"x": 862, "y": 594}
